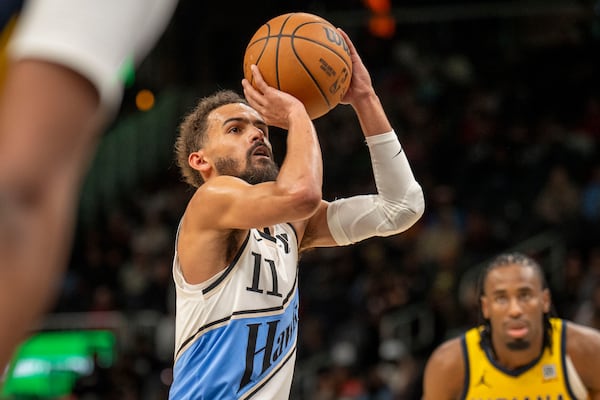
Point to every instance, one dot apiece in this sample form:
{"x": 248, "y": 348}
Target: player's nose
{"x": 256, "y": 134}
{"x": 514, "y": 307}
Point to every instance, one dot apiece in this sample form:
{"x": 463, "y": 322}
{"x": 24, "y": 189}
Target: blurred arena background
{"x": 497, "y": 104}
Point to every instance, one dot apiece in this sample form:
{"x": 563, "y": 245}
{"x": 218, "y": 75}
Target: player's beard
{"x": 518, "y": 345}
{"x": 256, "y": 171}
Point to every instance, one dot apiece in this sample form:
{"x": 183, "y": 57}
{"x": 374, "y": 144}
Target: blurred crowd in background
{"x": 499, "y": 115}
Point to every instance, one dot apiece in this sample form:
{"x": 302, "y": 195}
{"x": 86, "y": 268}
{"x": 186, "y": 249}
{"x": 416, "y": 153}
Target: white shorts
{"x": 100, "y": 39}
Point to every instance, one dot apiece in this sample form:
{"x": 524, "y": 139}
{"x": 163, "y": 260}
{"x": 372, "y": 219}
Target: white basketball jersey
{"x": 236, "y": 333}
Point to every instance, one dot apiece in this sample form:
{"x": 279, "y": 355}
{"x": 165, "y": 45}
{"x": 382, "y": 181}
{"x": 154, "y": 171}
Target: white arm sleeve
{"x": 99, "y": 39}
{"x": 397, "y": 206}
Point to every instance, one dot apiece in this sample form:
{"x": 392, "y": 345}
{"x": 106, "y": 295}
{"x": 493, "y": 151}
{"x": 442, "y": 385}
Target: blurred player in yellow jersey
{"x": 61, "y": 84}
{"x": 519, "y": 352}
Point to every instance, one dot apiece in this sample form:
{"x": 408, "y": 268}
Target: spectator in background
{"x": 588, "y": 312}
{"x": 557, "y": 203}
{"x": 590, "y": 199}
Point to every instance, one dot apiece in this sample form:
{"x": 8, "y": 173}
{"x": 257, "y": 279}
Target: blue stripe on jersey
{"x": 229, "y": 361}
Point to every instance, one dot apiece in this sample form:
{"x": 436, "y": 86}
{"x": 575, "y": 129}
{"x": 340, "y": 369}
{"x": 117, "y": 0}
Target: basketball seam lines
{"x": 292, "y": 36}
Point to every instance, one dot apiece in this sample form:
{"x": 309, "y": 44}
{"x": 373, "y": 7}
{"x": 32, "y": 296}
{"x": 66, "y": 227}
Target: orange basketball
{"x": 304, "y": 55}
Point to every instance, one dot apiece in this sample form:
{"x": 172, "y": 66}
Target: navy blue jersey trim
{"x": 9, "y": 9}
{"x": 229, "y": 267}
{"x": 563, "y": 357}
{"x": 511, "y": 372}
{"x": 295, "y": 233}
{"x": 273, "y": 374}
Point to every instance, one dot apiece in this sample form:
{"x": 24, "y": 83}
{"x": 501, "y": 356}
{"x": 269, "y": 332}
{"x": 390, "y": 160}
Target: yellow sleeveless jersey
{"x": 546, "y": 378}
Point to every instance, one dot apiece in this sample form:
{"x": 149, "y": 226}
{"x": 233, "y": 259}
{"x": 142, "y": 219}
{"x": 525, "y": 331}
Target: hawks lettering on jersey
{"x": 236, "y": 334}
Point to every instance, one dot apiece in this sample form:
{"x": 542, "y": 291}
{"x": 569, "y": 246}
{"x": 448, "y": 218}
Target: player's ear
{"x": 546, "y": 300}
{"x": 199, "y": 162}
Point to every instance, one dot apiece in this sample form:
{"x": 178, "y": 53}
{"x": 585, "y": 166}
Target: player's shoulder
{"x": 218, "y": 184}
{"x": 447, "y": 357}
{"x": 449, "y": 349}
{"x": 583, "y": 348}
{"x": 582, "y": 339}
{"x": 222, "y": 186}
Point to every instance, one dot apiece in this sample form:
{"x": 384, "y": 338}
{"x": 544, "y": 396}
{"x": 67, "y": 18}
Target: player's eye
{"x": 525, "y": 296}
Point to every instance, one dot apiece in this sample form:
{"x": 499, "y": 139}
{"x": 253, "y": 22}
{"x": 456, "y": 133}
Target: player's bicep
{"x": 231, "y": 203}
{"x": 433, "y": 388}
{"x": 317, "y": 232}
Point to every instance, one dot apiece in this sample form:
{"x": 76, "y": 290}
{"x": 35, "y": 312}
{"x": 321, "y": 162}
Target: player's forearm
{"x": 35, "y": 238}
{"x": 371, "y": 115}
{"x": 392, "y": 172}
{"x": 46, "y": 114}
{"x": 302, "y": 168}
{"x": 50, "y": 114}
{"x": 396, "y": 207}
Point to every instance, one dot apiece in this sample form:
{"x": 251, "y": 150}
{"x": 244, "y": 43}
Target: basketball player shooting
{"x": 236, "y": 258}
{"x": 61, "y": 87}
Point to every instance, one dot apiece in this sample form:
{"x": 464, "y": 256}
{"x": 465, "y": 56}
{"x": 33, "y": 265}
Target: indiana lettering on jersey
{"x": 266, "y": 353}
{"x": 538, "y": 397}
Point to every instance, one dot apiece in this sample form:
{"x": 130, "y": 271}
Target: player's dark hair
{"x": 192, "y": 131}
{"x": 500, "y": 261}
